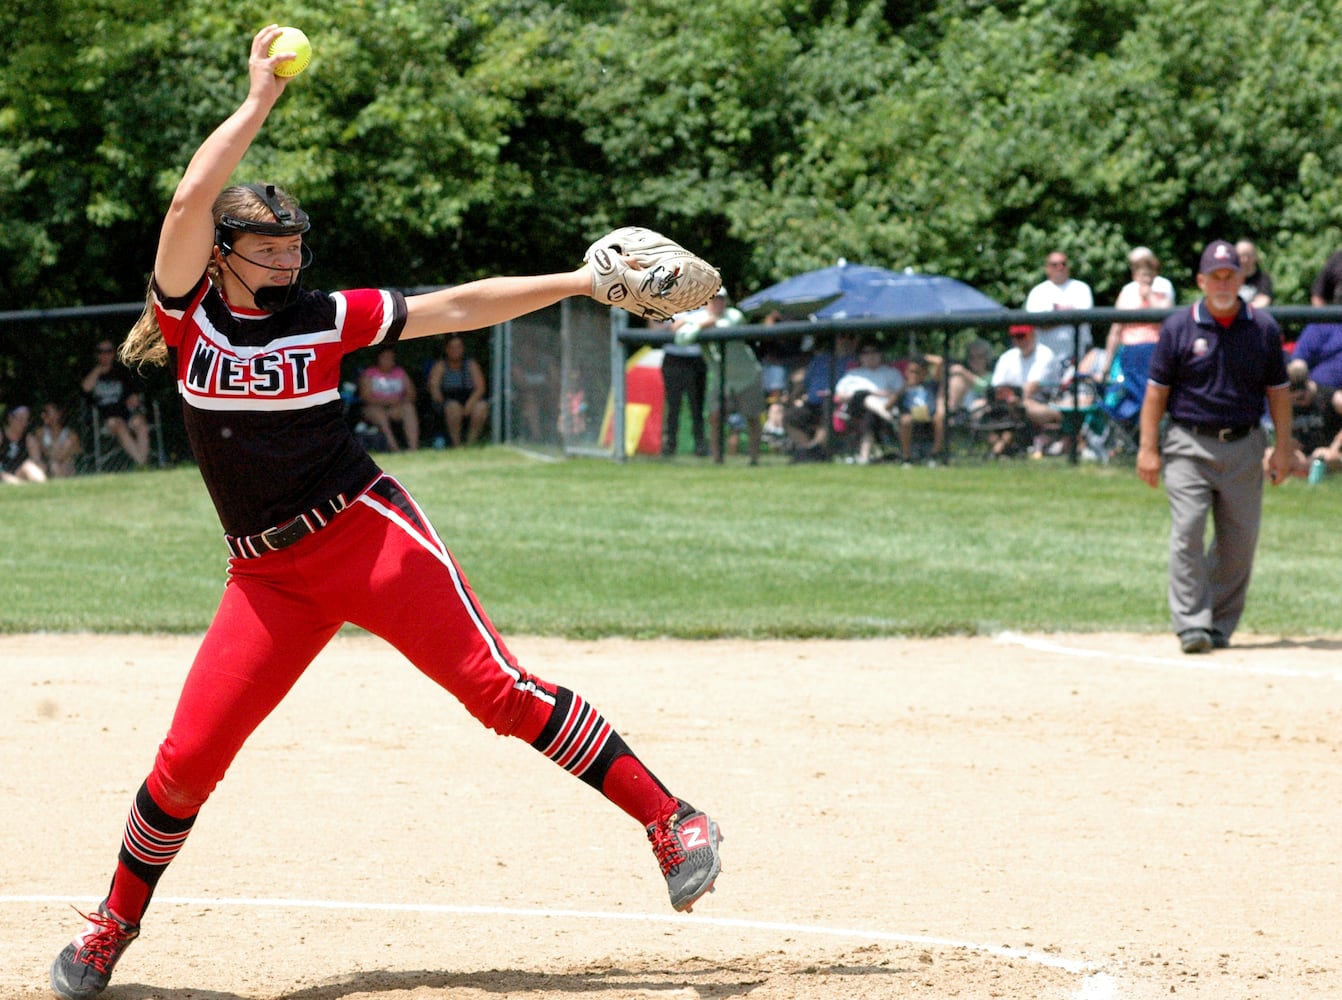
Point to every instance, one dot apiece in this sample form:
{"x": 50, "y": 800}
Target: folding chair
{"x": 1124, "y": 394}
{"x": 1002, "y": 414}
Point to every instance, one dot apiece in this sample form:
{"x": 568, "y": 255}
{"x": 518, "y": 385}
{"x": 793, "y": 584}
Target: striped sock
{"x": 152, "y": 839}
{"x": 582, "y": 742}
{"x": 578, "y": 739}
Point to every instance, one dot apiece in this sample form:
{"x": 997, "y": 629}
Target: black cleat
{"x": 82, "y": 969}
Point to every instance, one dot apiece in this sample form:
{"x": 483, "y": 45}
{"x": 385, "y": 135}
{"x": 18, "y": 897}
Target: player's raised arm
{"x": 187, "y": 237}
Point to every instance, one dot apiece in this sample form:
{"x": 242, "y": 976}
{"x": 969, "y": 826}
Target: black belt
{"x": 1220, "y": 433}
{"x": 283, "y": 535}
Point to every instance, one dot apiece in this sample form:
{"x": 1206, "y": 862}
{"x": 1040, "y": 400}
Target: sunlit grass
{"x": 593, "y": 548}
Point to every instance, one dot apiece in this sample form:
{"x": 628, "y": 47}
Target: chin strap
{"x": 272, "y": 298}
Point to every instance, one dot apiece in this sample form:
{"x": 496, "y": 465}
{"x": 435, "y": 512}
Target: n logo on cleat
{"x": 695, "y": 835}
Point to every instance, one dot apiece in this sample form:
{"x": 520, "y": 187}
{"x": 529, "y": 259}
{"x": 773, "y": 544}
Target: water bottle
{"x": 1317, "y": 470}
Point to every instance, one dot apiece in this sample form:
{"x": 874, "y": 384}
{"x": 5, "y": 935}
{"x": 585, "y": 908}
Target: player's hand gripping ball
{"x": 291, "y": 40}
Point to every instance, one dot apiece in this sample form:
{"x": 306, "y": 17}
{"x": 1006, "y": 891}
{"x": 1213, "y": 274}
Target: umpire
{"x": 1211, "y": 369}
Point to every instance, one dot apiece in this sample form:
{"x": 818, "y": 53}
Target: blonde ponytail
{"x": 144, "y": 344}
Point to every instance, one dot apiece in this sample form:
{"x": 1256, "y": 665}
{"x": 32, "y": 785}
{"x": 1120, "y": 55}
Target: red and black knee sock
{"x": 152, "y": 839}
{"x": 582, "y": 742}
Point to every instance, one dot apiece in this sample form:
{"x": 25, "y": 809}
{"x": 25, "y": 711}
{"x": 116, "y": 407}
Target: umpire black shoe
{"x": 1220, "y": 640}
{"x": 1195, "y": 640}
{"x": 84, "y": 966}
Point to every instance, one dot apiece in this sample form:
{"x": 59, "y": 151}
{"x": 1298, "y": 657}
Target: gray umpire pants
{"x": 1209, "y": 582}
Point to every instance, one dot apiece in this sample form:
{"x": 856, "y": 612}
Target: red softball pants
{"x": 378, "y": 565}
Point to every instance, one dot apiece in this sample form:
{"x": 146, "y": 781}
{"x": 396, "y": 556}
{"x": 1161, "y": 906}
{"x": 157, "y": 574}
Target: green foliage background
{"x": 438, "y": 141}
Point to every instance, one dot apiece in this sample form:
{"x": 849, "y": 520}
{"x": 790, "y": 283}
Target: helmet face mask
{"x": 295, "y": 222}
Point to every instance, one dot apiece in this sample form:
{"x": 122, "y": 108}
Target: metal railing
{"x": 622, "y": 337}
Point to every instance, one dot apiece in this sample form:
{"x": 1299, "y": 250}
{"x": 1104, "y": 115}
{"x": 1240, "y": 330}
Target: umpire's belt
{"x": 283, "y": 535}
{"x": 1220, "y": 433}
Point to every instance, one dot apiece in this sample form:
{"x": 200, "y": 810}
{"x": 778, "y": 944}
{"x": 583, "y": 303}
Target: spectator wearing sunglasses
{"x": 1059, "y": 290}
{"x": 118, "y": 402}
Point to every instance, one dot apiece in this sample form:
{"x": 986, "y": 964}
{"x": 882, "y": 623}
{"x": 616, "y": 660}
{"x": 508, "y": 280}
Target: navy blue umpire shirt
{"x": 1218, "y": 376}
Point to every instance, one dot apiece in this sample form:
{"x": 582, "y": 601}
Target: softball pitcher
{"x": 318, "y": 534}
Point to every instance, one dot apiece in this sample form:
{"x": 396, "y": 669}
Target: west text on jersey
{"x": 282, "y": 372}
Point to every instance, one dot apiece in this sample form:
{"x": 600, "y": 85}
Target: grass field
{"x": 587, "y": 548}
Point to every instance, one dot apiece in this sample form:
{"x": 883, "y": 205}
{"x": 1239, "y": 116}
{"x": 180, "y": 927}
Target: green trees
{"x": 434, "y": 142}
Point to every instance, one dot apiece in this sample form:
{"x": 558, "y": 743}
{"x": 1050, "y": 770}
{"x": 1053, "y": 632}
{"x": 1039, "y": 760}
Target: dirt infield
{"x": 1083, "y": 817}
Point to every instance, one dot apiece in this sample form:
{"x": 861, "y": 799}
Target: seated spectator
{"x": 779, "y": 368}
{"x": 971, "y": 380}
{"x": 1029, "y": 372}
{"x": 1257, "y": 287}
{"x": 16, "y": 464}
{"x": 1326, "y": 289}
{"x": 1309, "y": 442}
{"x": 1319, "y": 347}
{"x": 457, "y": 384}
{"x": 536, "y": 383}
{"x": 1148, "y": 289}
{"x": 775, "y": 408}
{"x": 573, "y": 408}
{"x": 54, "y": 446}
{"x": 867, "y": 394}
{"x": 387, "y": 397}
{"x": 806, "y": 418}
{"x": 1092, "y": 367}
{"x": 117, "y": 403}
{"x": 1321, "y": 461}
{"x": 918, "y": 405}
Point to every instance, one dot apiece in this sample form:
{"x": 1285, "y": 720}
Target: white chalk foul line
{"x": 1201, "y": 662}
{"x": 1000, "y": 951}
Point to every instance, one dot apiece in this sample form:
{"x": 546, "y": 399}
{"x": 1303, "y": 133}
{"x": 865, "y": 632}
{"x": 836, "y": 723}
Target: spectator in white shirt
{"x": 1061, "y": 291}
{"x": 868, "y": 393}
{"x": 1030, "y": 373}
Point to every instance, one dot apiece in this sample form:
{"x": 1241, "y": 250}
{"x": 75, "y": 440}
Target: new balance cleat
{"x": 82, "y": 969}
{"x": 685, "y": 842}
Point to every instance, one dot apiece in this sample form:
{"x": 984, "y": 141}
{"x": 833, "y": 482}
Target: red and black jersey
{"x": 261, "y": 396}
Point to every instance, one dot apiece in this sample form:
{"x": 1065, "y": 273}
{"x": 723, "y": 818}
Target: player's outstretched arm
{"x": 479, "y": 304}
{"x": 634, "y": 268}
{"x": 187, "y": 237}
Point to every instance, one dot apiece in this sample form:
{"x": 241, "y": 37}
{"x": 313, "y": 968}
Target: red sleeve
{"x": 171, "y": 312}
{"x": 368, "y": 316}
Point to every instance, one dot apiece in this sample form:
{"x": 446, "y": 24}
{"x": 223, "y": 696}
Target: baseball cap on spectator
{"x": 1020, "y": 330}
{"x": 1218, "y": 256}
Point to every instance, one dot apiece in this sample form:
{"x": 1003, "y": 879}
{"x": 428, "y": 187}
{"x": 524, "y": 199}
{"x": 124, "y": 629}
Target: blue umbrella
{"x": 857, "y": 291}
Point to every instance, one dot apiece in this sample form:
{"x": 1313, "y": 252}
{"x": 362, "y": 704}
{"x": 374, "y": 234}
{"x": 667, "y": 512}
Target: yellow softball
{"x": 291, "y": 40}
